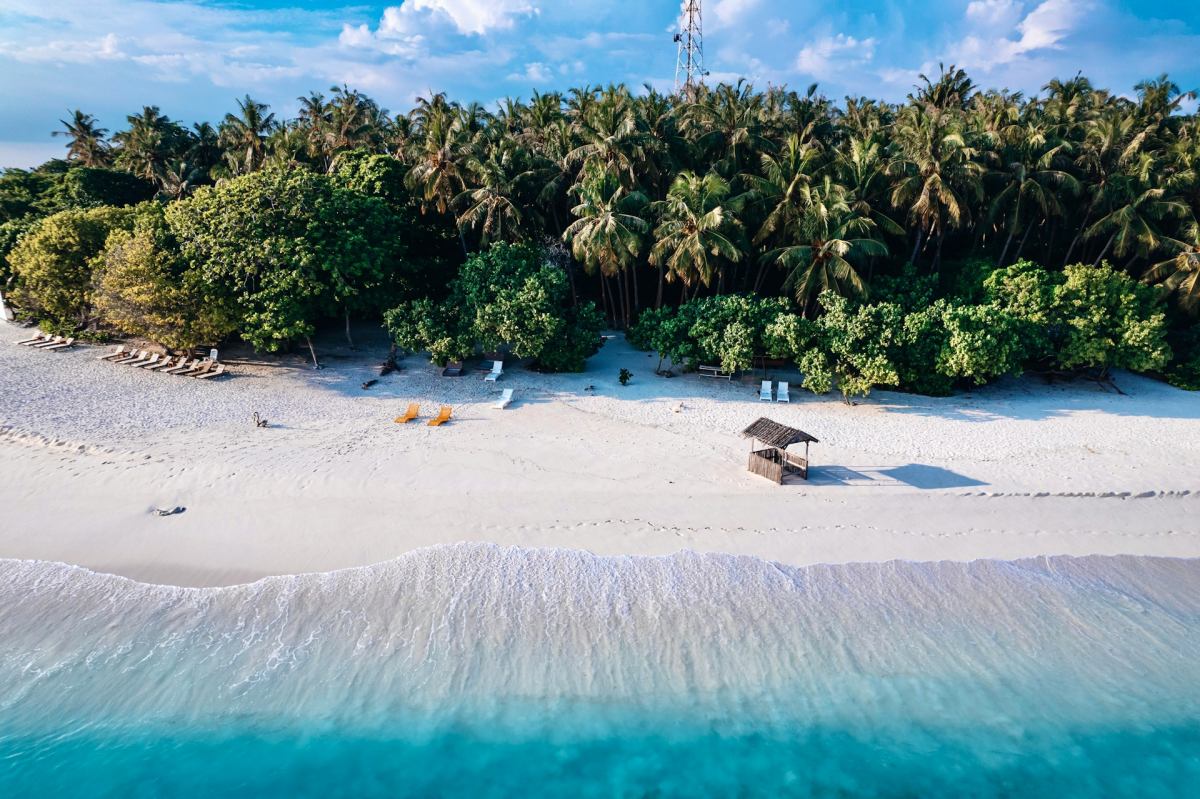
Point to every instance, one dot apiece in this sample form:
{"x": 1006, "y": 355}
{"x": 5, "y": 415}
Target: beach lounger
{"x": 153, "y": 361}
{"x": 442, "y": 417}
{"x": 764, "y": 393}
{"x": 134, "y": 355}
{"x": 38, "y": 338}
{"x": 217, "y": 369}
{"x": 413, "y": 411}
{"x": 497, "y": 370}
{"x": 201, "y": 368}
{"x": 62, "y": 345}
{"x": 782, "y": 394}
{"x": 186, "y": 365}
{"x": 505, "y": 398}
{"x": 453, "y": 369}
{"x": 49, "y": 342}
{"x": 148, "y": 357}
{"x": 120, "y": 352}
{"x": 166, "y": 363}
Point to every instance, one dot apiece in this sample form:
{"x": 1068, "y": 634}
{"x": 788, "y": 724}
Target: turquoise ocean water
{"x": 476, "y": 671}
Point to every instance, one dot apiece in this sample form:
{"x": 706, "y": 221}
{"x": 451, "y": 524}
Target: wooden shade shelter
{"x": 772, "y": 460}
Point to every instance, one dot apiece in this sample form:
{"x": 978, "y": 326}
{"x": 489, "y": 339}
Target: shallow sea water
{"x": 477, "y": 671}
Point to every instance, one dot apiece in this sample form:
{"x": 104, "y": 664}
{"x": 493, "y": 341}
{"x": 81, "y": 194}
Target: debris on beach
{"x": 169, "y": 511}
{"x": 369, "y": 383}
{"x": 259, "y": 421}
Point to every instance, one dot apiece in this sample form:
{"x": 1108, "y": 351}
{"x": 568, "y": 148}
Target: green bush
{"x": 508, "y": 296}
{"x": 53, "y": 264}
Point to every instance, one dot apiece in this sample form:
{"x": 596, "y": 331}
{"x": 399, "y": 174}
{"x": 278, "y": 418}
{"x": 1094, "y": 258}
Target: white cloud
{"x": 1001, "y": 33}
{"x": 535, "y": 72}
{"x": 826, "y": 56}
{"x": 730, "y": 12}
{"x": 475, "y": 17}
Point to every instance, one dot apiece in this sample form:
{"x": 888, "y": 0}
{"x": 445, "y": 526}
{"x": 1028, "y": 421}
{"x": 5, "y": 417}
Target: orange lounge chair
{"x": 442, "y": 417}
{"x": 413, "y": 411}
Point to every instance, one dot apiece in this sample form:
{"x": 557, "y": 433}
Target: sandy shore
{"x": 88, "y": 449}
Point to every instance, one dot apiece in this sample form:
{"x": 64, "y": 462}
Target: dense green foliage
{"x": 874, "y": 243}
{"x": 144, "y": 288}
{"x": 53, "y": 264}
{"x": 1085, "y": 318}
{"x": 287, "y": 246}
{"x": 508, "y": 297}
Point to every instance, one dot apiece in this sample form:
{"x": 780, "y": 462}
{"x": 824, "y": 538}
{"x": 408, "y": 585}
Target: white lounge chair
{"x": 38, "y": 338}
{"x": 155, "y": 360}
{"x": 505, "y": 398}
{"x": 48, "y": 342}
{"x": 764, "y": 393}
{"x": 62, "y": 345}
{"x": 497, "y": 370}
{"x": 120, "y": 352}
{"x": 782, "y": 394}
{"x": 147, "y": 358}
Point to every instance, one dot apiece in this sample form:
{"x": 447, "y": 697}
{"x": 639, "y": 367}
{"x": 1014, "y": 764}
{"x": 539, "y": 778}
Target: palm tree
{"x": 728, "y": 123}
{"x": 493, "y": 202}
{"x": 150, "y": 144}
{"x": 438, "y": 171}
{"x": 1181, "y": 275}
{"x": 86, "y": 145}
{"x": 1134, "y": 223}
{"x": 1031, "y": 184}
{"x": 612, "y": 136}
{"x": 608, "y": 229}
{"x": 697, "y": 231}
{"x": 780, "y": 188}
{"x": 831, "y": 233}
{"x": 935, "y": 171}
{"x": 243, "y": 135}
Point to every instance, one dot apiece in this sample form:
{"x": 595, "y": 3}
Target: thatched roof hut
{"x": 773, "y": 461}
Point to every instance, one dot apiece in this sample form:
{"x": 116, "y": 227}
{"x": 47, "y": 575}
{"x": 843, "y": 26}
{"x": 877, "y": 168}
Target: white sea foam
{"x": 471, "y": 631}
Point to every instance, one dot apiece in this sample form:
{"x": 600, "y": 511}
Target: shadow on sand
{"x": 915, "y": 475}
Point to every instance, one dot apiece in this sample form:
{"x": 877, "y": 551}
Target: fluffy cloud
{"x": 475, "y": 17}
{"x": 1001, "y": 31}
{"x": 827, "y": 56}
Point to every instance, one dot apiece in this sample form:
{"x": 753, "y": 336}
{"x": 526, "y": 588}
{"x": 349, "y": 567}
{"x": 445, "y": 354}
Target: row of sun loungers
{"x": 765, "y": 393}
{"x": 45, "y": 341}
{"x": 201, "y": 368}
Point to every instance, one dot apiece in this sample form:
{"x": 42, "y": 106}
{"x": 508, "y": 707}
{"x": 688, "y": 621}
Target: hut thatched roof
{"x": 775, "y": 434}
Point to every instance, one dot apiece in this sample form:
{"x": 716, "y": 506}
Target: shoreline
{"x": 1017, "y": 470}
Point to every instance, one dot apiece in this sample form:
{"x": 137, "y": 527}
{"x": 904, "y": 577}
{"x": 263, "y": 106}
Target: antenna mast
{"x": 689, "y": 63}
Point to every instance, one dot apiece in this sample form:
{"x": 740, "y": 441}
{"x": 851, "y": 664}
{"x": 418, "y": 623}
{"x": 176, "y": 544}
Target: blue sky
{"x": 193, "y": 57}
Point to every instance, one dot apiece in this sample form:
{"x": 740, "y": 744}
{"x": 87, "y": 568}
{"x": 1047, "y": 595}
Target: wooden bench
{"x": 714, "y": 371}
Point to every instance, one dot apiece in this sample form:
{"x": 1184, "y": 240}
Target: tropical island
{"x": 927, "y": 246}
{"x": 457, "y": 503}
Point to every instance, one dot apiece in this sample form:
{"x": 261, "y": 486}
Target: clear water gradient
{"x": 475, "y": 670}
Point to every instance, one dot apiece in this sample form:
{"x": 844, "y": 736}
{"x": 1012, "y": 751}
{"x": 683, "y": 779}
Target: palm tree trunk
{"x": 937, "y": 255}
{"x": 917, "y": 248}
{"x": 1021, "y": 246}
{"x": 1104, "y": 252}
{"x": 312, "y": 352}
{"x": 637, "y": 301}
{"x": 758, "y": 279}
{"x": 661, "y": 280}
{"x": 463, "y": 241}
{"x": 1078, "y": 236}
{"x": 1004, "y": 252}
{"x": 349, "y": 340}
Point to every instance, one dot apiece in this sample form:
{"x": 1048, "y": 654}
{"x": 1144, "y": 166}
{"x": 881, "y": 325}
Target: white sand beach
{"x": 88, "y": 449}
